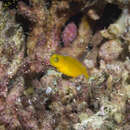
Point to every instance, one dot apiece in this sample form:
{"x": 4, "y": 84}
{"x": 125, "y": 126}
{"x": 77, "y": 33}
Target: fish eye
{"x": 56, "y": 59}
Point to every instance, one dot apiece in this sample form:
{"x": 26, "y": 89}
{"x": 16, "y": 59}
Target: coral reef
{"x": 34, "y": 95}
{"x": 110, "y": 50}
{"x": 69, "y": 33}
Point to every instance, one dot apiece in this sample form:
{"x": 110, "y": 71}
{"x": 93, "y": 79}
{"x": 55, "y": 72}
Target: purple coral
{"x": 69, "y": 33}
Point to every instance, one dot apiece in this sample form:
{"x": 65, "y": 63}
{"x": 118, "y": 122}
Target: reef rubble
{"x": 34, "y": 95}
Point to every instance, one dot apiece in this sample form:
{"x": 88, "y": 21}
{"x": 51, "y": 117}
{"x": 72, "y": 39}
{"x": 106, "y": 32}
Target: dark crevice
{"x": 48, "y": 3}
{"x": 26, "y": 25}
{"x": 125, "y": 53}
{"x": 10, "y": 4}
{"x": 40, "y": 75}
{"x": 110, "y": 14}
{"x": 76, "y": 19}
{"x": 24, "y": 22}
{"x": 47, "y": 104}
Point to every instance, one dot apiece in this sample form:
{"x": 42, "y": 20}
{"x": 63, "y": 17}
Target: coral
{"x": 45, "y": 35}
{"x": 12, "y": 45}
{"x": 110, "y": 50}
{"x": 69, "y": 33}
{"x": 121, "y": 3}
{"x": 34, "y": 95}
{"x": 93, "y": 15}
{"x": 119, "y": 29}
{"x": 109, "y": 109}
{"x": 8, "y": 115}
{"x": 78, "y": 46}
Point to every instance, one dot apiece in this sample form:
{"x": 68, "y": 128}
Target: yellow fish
{"x": 68, "y": 65}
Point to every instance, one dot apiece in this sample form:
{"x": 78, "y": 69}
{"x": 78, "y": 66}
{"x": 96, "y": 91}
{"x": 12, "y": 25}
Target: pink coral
{"x": 69, "y": 33}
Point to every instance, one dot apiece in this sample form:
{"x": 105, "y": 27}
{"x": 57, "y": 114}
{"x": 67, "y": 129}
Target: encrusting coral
{"x": 12, "y": 48}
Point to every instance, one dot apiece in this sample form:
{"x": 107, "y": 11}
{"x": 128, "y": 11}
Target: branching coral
{"x": 45, "y": 37}
{"x": 12, "y": 44}
{"x": 12, "y": 47}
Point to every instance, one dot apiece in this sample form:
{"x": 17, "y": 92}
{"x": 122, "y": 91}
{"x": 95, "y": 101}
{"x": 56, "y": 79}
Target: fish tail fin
{"x": 86, "y": 75}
